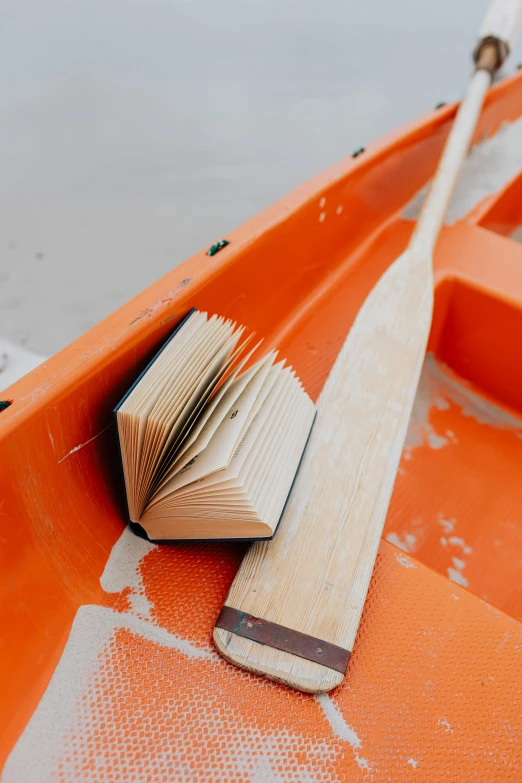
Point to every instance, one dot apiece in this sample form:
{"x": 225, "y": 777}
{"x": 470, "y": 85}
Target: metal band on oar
{"x": 286, "y": 639}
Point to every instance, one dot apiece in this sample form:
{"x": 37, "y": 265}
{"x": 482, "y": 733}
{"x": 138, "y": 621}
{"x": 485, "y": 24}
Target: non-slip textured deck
{"x": 433, "y": 690}
{"x": 430, "y": 692}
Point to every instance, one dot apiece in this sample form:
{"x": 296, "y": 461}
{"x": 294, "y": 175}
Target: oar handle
{"x": 499, "y": 29}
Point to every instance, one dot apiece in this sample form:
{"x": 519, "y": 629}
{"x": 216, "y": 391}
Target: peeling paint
{"x": 437, "y": 441}
{"x": 362, "y": 763}
{"x": 337, "y": 722}
{"x": 420, "y": 431}
{"x": 122, "y": 571}
{"x": 448, "y": 525}
{"x": 457, "y": 541}
{"x": 455, "y": 574}
{"x": 447, "y": 726}
{"x": 413, "y": 763}
{"x": 457, "y": 577}
{"x": 34, "y": 757}
{"x": 404, "y": 561}
{"x": 490, "y": 167}
{"x": 438, "y": 389}
{"x": 407, "y": 545}
{"x": 341, "y": 728}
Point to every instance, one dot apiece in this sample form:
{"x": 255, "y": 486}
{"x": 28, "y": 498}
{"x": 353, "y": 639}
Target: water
{"x": 135, "y": 132}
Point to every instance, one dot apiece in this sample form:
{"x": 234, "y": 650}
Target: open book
{"x": 210, "y": 449}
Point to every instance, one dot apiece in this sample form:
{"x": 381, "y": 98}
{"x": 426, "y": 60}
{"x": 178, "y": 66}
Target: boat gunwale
{"x": 140, "y": 316}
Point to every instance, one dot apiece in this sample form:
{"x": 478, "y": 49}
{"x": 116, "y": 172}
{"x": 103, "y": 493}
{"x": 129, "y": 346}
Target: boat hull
{"x": 107, "y": 661}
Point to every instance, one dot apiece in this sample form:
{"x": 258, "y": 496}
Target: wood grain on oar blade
{"x": 313, "y": 577}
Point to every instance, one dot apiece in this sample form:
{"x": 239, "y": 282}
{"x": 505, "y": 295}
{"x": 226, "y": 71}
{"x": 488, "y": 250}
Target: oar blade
{"x": 313, "y": 577}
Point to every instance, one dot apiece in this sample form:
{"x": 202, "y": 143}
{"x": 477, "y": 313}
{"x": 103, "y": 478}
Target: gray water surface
{"x": 135, "y": 132}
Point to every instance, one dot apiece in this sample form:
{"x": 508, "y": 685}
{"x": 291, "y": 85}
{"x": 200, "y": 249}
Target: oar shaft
{"x": 436, "y": 204}
{"x": 497, "y": 34}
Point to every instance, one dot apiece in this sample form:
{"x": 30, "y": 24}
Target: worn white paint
{"x": 448, "y": 525}
{"x": 336, "y": 720}
{"x": 443, "y": 722}
{"x": 456, "y": 576}
{"x": 341, "y": 728}
{"x": 35, "y": 756}
{"x": 458, "y": 541}
{"x": 362, "y": 763}
{"x": 404, "y": 561}
{"x": 407, "y": 545}
{"x": 58, "y": 732}
{"x": 73, "y": 714}
{"x": 122, "y": 570}
{"x": 489, "y": 167}
{"x": 420, "y": 430}
{"x": 455, "y": 572}
{"x": 438, "y": 389}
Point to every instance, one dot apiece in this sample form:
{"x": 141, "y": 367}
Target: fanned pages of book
{"x": 209, "y": 449}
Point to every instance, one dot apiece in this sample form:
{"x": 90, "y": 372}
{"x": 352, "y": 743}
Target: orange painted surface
{"x": 433, "y": 687}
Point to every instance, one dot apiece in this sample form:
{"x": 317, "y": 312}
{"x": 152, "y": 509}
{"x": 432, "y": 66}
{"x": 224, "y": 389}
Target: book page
{"x": 257, "y": 481}
{"x": 141, "y": 393}
{"x": 223, "y": 443}
{"x": 211, "y": 417}
{"x": 272, "y": 399}
{"x": 205, "y": 408}
{"x": 170, "y": 413}
{"x": 177, "y": 417}
{"x": 145, "y": 394}
{"x": 181, "y": 369}
{"x": 269, "y": 489}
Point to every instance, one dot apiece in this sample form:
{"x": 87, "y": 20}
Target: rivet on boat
{"x": 217, "y": 247}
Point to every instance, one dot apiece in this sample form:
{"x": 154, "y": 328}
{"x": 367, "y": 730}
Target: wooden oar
{"x": 294, "y": 607}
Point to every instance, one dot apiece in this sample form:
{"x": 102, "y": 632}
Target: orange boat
{"x": 108, "y": 672}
